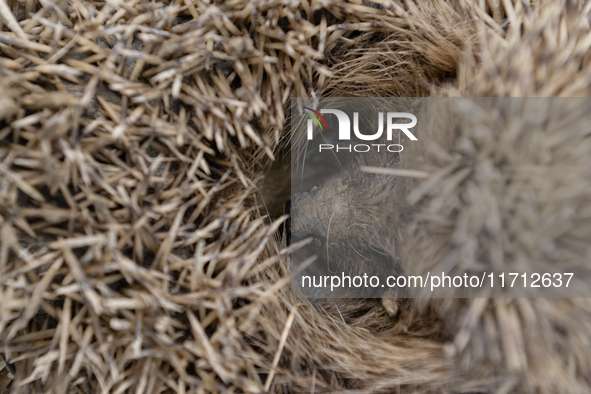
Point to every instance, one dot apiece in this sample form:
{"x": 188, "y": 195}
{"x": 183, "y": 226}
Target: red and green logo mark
{"x": 316, "y": 117}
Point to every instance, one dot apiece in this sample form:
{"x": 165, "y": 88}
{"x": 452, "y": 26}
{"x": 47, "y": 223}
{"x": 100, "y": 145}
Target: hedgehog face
{"x": 348, "y": 228}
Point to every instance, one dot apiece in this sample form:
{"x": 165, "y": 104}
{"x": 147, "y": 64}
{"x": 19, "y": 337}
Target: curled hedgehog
{"x": 137, "y": 256}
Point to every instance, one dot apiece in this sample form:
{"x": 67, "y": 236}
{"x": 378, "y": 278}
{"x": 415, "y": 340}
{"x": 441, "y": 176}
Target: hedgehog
{"x": 143, "y": 196}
